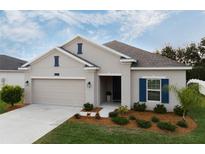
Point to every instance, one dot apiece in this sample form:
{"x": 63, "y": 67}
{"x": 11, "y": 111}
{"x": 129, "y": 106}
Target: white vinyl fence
{"x": 200, "y": 83}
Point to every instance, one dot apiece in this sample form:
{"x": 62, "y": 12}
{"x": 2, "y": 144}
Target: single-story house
{"x": 113, "y": 73}
{"x": 9, "y": 73}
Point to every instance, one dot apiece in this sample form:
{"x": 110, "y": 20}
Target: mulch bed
{"x": 96, "y": 109}
{"x": 168, "y": 117}
{"x": 10, "y": 108}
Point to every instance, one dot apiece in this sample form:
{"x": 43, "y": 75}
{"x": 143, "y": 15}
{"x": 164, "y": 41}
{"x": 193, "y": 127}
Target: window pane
{"x": 56, "y": 61}
{"x": 154, "y": 95}
{"x": 80, "y": 46}
{"x": 153, "y": 84}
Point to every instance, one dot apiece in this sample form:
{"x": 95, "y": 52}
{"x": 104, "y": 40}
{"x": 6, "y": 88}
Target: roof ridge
{"x": 14, "y": 58}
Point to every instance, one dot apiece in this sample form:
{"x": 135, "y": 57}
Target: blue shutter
{"x": 165, "y": 90}
{"x": 142, "y": 90}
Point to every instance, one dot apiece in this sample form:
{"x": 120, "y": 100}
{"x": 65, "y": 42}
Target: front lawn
{"x": 78, "y": 132}
{"x": 2, "y": 107}
{"x": 6, "y": 107}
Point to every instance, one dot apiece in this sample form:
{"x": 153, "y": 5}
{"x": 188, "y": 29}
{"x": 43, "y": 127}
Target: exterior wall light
{"x": 89, "y": 84}
{"x": 27, "y": 83}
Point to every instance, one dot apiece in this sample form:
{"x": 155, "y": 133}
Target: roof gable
{"x": 67, "y": 53}
{"x": 99, "y": 45}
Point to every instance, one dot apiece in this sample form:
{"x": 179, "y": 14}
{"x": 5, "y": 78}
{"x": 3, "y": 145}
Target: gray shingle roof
{"x": 10, "y": 63}
{"x": 144, "y": 58}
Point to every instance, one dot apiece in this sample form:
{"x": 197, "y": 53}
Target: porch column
{"x": 126, "y": 87}
{"x": 91, "y": 87}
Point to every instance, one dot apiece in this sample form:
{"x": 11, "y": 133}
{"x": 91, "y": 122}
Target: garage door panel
{"x": 58, "y": 92}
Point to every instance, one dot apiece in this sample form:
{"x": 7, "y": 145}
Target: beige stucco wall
{"x": 12, "y": 78}
{"x": 108, "y": 62}
{"x": 176, "y": 78}
{"x": 69, "y": 67}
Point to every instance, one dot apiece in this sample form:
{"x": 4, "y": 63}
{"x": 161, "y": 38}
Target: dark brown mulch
{"x": 168, "y": 117}
{"x": 10, "y": 108}
{"x": 96, "y": 109}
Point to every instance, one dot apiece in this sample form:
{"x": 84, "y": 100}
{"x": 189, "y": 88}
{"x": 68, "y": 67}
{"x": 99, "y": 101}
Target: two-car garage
{"x": 64, "y": 91}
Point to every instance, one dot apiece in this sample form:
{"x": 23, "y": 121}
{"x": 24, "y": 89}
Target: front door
{"x": 116, "y": 80}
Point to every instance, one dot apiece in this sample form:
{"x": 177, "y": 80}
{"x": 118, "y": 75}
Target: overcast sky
{"x": 26, "y": 34}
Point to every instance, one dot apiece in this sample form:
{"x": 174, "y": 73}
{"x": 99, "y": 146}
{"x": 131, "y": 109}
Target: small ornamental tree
{"x": 189, "y": 97}
{"x": 11, "y": 94}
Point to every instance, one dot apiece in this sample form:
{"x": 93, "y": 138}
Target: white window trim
{"x": 153, "y": 90}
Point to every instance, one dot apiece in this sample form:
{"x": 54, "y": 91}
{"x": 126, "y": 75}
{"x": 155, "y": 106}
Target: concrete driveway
{"x": 29, "y": 123}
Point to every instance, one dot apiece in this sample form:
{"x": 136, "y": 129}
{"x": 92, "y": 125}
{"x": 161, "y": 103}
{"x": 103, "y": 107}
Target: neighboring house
{"x": 83, "y": 71}
{"x": 9, "y": 73}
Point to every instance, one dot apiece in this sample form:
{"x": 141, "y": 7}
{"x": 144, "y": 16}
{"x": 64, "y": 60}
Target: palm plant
{"x": 189, "y": 97}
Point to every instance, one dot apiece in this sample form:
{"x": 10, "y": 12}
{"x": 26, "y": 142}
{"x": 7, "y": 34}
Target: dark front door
{"x": 116, "y": 80}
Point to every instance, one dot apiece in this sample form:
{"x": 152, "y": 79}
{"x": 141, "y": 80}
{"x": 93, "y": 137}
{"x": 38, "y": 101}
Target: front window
{"x": 80, "y": 48}
{"x": 56, "y": 61}
{"x": 153, "y": 89}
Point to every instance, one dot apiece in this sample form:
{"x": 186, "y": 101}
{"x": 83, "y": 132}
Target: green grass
{"x": 79, "y": 133}
{"x": 4, "y": 106}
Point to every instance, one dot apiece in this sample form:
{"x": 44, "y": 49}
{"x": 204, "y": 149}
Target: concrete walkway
{"x": 29, "y": 123}
{"x": 106, "y": 109}
{"x": 104, "y": 112}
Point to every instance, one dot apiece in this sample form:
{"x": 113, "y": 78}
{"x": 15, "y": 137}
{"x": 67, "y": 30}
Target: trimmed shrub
{"x": 139, "y": 107}
{"x": 88, "y": 106}
{"x": 77, "y": 116}
{"x": 166, "y": 126}
{"x": 122, "y": 109}
{"x": 144, "y": 124}
{"x": 11, "y": 94}
{"x": 182, "y": 123}
{"x": 155, "y": 119}
{"x": 178, "y": 110}
{"x": 113, "y": 114}
{"x": 120, "y": 120}
{"x": 131, "y": 117}
{"x": 160, "y": 108}
{"x": 97, "y": 116}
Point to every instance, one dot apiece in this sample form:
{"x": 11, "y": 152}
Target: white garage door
{"x": 58, "y": 92}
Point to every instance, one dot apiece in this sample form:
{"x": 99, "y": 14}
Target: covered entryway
{"x": 69, "y": 92}
{"x": 110, "y": 90}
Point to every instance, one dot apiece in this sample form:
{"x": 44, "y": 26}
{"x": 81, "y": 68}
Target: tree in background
{"x": 11, "y": 94}
{"x": 169, "y": 52}
{"x": 180, "y": 55}
{"x": 192, "y": 55}
{"x": 202, "y": 48}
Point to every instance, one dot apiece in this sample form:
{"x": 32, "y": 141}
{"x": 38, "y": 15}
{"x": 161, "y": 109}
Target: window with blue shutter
{"x": 165, "y": 90}
{"x": 142, "y": 90}
{"x": 56, "y": 61}
{"x": 153, "y": 90}
{"x": 80, "y": 48}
